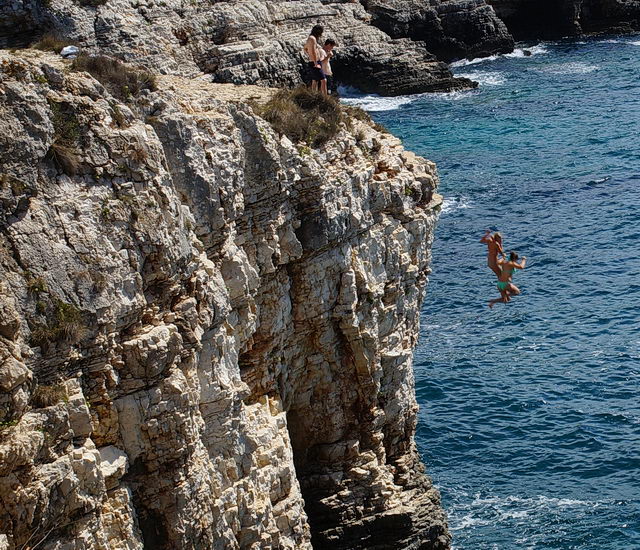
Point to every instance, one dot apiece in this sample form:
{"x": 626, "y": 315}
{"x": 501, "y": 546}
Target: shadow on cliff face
{"x": 539, "y": 19}
{"x": 550, "y": 19}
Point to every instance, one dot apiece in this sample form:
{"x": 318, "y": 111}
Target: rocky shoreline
{"x": 206, "y": 330}
{"x": 389, "y": 47}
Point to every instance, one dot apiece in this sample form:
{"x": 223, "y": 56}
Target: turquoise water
{"x": 530, "y": 412}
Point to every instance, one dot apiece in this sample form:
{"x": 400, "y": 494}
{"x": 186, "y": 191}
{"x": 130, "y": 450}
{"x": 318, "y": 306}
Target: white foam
{"x": 575, "y": 67}
{"x": 376, "y": 103}
{"x": 449, "y": 204}
{"x": 451, "y": 96}
{"x": 517, "y": 53}
{"x": 485, "y": 78}
{"x": 635, "y": 43}
{"x": 541, "y": 501}
{"x": 379, "y": 103}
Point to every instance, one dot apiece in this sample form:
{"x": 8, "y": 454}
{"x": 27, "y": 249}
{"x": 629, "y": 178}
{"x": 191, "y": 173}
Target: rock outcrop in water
{"x": 556, "y": 18}
{"x": 201, "y": 323}
{"x": 450, "y": 29}
{"x": 248, "y": 42}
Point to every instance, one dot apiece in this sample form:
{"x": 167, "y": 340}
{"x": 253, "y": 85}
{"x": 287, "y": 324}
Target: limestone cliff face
{"x": 242, "y": 42}
{"x": 206, "y": 331}
{"x": 451, "y": 29}
{"x": 554, "y": 18}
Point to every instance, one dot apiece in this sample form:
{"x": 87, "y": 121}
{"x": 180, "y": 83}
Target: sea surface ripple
{"x": 530, "y": 412}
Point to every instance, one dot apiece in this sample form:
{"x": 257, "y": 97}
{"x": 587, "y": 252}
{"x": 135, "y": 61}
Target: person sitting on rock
{"x": 315, "y": 55}
{"x": 505, "y": 286}
{"x": 329, "y": 44}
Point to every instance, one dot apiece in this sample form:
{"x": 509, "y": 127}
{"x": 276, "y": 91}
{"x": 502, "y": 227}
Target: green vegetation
{"x": 117, "y": 115}
{"x": 51, "y": 42}
{"x": 35, "y": 285}
{"x": 362, "y": 115}
{"x": 380, "y": 128}
{"x": 63, "y": 325}
{"x": 46, "y": 396}
{"x": 63, "y": 151}
{"x": 307, "y": 116}
{"x": 7, "y": 424}
{"x": 357, "y": 113}
{"x": 122, "y": 81}
{"x": 303, "y": 115}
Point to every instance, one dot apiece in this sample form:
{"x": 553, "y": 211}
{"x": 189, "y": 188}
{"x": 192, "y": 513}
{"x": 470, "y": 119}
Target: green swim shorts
{"x": 503, "y": 285}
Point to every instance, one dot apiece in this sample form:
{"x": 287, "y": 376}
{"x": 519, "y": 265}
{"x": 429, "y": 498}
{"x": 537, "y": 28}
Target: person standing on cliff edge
{"x": 315, "y": 54}
{"x": 329, "y": 44}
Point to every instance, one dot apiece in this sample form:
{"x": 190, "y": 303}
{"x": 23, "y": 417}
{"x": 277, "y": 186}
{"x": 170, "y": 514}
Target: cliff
{"x": 248, "y": 42}
{"x": 556, "y": 18}
{"x": 206, "y": 330}
{"x": 451, "y": 29}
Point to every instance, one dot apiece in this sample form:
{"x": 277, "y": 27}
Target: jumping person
{"x": 494, "y": 247}
{"x": 315, "y": 55}
{"x": 505, "y": 284}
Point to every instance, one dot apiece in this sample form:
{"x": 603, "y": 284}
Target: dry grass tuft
{"x": 303, "y": 115}
{"x": 122, "y": 80}
{"x": 65, "y": 158}
{"x": 51, "y": 42}
{"x": 47, "y": 396}
{"x": 64, "y": 150}
{"x": 64, "y": 324}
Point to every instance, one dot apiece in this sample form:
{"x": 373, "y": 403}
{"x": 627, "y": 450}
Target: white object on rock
{"x": 70, "y": 52}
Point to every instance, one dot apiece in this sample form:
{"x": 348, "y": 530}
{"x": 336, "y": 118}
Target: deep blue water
{"x": 530, "y": 412}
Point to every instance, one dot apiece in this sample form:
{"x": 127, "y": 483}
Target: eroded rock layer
{"x": 450, "y": 29}
{"x": 242, "y": 42}
{"x": 202, "y": 323}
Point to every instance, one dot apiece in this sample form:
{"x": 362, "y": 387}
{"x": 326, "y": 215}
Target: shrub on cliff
{"x": 51, "y": 42}
{"x": 303, "y": 115}
{"x": 122, "y": 81}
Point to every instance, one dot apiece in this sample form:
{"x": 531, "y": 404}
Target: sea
{"x": 529, "y": 418}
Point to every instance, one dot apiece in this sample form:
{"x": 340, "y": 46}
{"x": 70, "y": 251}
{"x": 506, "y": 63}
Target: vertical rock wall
{"x": 451, "y": 29}
{"x": 205, "y": 330}
{"x": 528, "y": 19}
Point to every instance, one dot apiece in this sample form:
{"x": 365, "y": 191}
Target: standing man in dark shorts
{"x": 315, "y": 54}
{"x": 329, "y": 44}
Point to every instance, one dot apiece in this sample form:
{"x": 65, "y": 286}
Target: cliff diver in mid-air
{"x": 502, "y": 267}
{"x": 494, "y": 247}
{"x": 505, "y": 284}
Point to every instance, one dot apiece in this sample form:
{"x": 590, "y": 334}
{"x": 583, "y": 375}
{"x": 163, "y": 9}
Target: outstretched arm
{"x": 522, "y": 263}
{"x": 486, "y": 237}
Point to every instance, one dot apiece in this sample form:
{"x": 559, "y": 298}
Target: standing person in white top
{"x": 315, "y": 54}
{"x": 326, "y": 65}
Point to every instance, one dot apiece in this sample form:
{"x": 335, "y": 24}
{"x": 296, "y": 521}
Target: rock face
{"x": 555, "y": 18}
{"x": 202, "y": 323}
{"x": 451, "y": 29}
{"x": 246, "y": 42}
